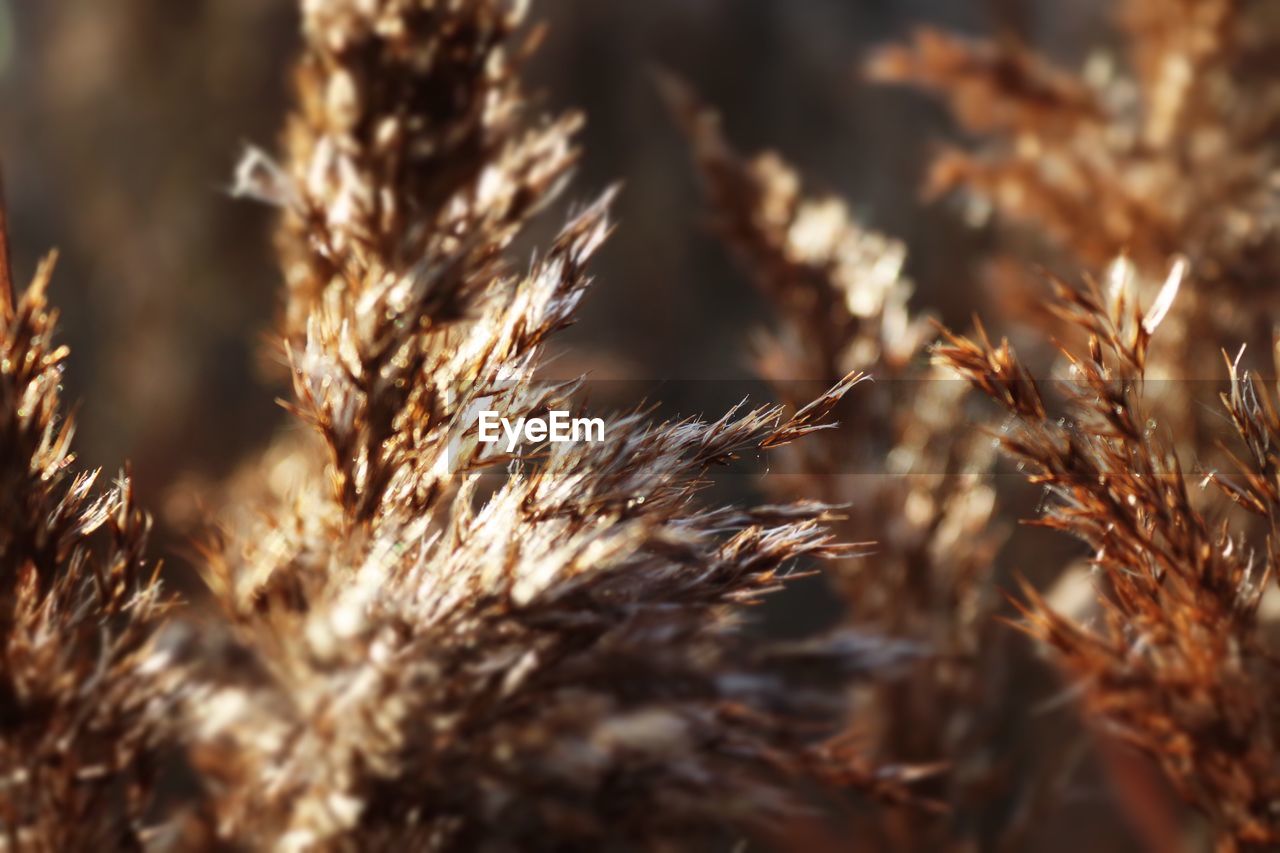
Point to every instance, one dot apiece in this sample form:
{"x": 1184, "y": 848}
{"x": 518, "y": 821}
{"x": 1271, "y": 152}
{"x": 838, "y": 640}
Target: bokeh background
{"x": 121, "y": 122}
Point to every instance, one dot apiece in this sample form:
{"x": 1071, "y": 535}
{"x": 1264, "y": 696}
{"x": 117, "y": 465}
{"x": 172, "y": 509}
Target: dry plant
{"x": 1178, "y": 666}
{"x": 907, "y": 477}
{"x": 555, "y": 660}
{"x": 1168, "y": 150}
{"x": 406, "y": 654}
{"x": 1167, "y": 155}
{"x": 414, "y": 639}
{"x": 1169, "y": 164}
{"x": 80, "y": 715}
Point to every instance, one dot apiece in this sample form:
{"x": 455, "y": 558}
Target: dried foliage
{"x": 903, "y": 474}
{"x": 1169, "y": 156}
{"x": 415, "y": 639}
{"x": 1166, "y": 151}
{"x": 442, "y": 661}
{"x": 420, "y": 641}
{"x": 1178, "y": 666}
{"x": 1165, "y": 159}
{"x": 79, "y": 606}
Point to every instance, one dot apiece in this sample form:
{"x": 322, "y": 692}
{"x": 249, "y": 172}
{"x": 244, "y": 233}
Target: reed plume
{"x": 1165, "y": 163}
{"x": 80, "y": 606}
{"x": 1178, "y": 666}
{"x": 906, "y": 476}
{"x": 545, "y": 657}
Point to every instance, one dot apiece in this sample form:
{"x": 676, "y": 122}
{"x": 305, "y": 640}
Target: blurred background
{"x": 121, "y": 122}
